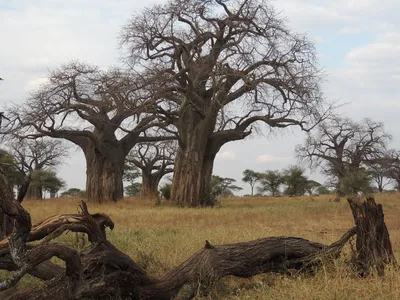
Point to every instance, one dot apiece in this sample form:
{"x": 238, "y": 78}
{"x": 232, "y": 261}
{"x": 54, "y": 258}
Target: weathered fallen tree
{"x": 102, "y": 271}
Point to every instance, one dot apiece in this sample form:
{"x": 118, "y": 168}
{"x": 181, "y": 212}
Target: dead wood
{"x": 373, "y": 246}
{"x": 101, "y": 271}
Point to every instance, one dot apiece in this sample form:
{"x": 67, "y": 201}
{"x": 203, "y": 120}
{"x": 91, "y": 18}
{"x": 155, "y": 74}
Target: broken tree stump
{"x": 373, "y": 246}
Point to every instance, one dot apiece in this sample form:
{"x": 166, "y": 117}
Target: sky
{"x": 357, "y": 42}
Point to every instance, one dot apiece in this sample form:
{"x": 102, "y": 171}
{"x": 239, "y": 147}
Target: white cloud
{"x": 34, "y": 84}
{"x": 373, "y": 67}
{"x": 266, "y": 158}
{"x": 226, "y": 155}
{"x": 350, "y": 30}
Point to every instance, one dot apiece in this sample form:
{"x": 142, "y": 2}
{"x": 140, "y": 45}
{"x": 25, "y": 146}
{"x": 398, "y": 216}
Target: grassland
{"x": 160, "y": 237}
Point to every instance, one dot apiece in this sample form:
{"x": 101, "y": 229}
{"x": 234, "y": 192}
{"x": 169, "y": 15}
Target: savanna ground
{"x": 161, "y": 237}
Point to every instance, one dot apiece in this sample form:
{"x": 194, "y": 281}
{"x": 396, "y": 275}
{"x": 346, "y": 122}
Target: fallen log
{"x": 101, "y": 271}
{"x": 104, "y": 270}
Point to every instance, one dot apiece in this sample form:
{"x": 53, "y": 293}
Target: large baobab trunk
{"x": 104, "y": 177}
{"x": 192, "y": 174}
{"x": 192, "y": 177}
{"x": 187, "y": 186}
{"x": 149, "y": 188}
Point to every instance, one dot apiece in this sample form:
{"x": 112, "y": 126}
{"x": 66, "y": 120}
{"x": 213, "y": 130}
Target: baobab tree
{"x": 155, "y": 160}
{"x": 222, "y": 68}
{"x": 102, "y": 112}
{"x": 342, "y": 148}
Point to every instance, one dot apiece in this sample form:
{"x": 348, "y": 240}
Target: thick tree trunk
{"x": 34, "y": 191}
{"x": 104, "y": 177}
{"x": 149, "y": 188}
{"x": 187, "y": 181}
{"x": 192, "y": 178}
{"x": 189, "y": 186}
{"x": 374, "y": 249}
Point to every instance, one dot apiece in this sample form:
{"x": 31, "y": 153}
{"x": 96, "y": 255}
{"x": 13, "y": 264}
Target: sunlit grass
{"x": 160, "y": 237}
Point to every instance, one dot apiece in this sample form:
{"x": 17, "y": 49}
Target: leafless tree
{"x": 342, "y": 147}
{"x": 102, "y": 112}
{"x": 222, "y": 67}
{"x": 35, "y": 155}
{"x": 155, "y": 160}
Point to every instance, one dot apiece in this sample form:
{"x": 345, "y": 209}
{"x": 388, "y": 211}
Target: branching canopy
{"x": 236, "y": 60}
{"x": 340, "y": 145}
{"x": 82, "y": 104}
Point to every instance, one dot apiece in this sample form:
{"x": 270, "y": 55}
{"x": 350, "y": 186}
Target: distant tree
{"x": 222, "y": 67}
{"x": 381, "y": 171}
{"x": 342, "y": 147}
{"x": 73, "y": 193}
{"x": 323, "y": 190}
{"x": 223, "y": 187}
{"x": 32, "y": 156}
{"x": 133, "y": 190}
{"x": 50, "y": 182}
{"x": 251, "y": 177}
{"x": 355, "y": 182}
{"x": 391, "y": 162}
{"x": 270, "y": 182}
{"x": 154, "y": 160}
{"x": 9, "y": 165}
{"x": 295, "y": 181}
{"x": 165, "y": 191}
{"x": 131, "y": 173}
{"x": 311, "y": 186}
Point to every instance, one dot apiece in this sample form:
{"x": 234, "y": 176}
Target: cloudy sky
{"x": 358, "y": 43}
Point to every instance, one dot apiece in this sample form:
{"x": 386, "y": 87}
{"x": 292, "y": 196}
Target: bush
{"x": 165, "y": 191}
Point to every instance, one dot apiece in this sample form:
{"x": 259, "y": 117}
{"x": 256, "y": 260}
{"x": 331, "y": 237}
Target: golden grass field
{"x": 160, "y": 237}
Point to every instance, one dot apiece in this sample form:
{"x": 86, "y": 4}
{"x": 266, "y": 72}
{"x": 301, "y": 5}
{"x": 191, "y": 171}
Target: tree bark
{"x": 192, "y": 178}
{"x": 188, "y": 187}
{"x": 149, "y": 188}
{"x": 104, "y": 176}
{"x": 373, "y": 246}
{"x": 34, "y": 191}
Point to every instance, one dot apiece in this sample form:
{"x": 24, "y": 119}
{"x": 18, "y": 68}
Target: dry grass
{"x": 160, "y": 237}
